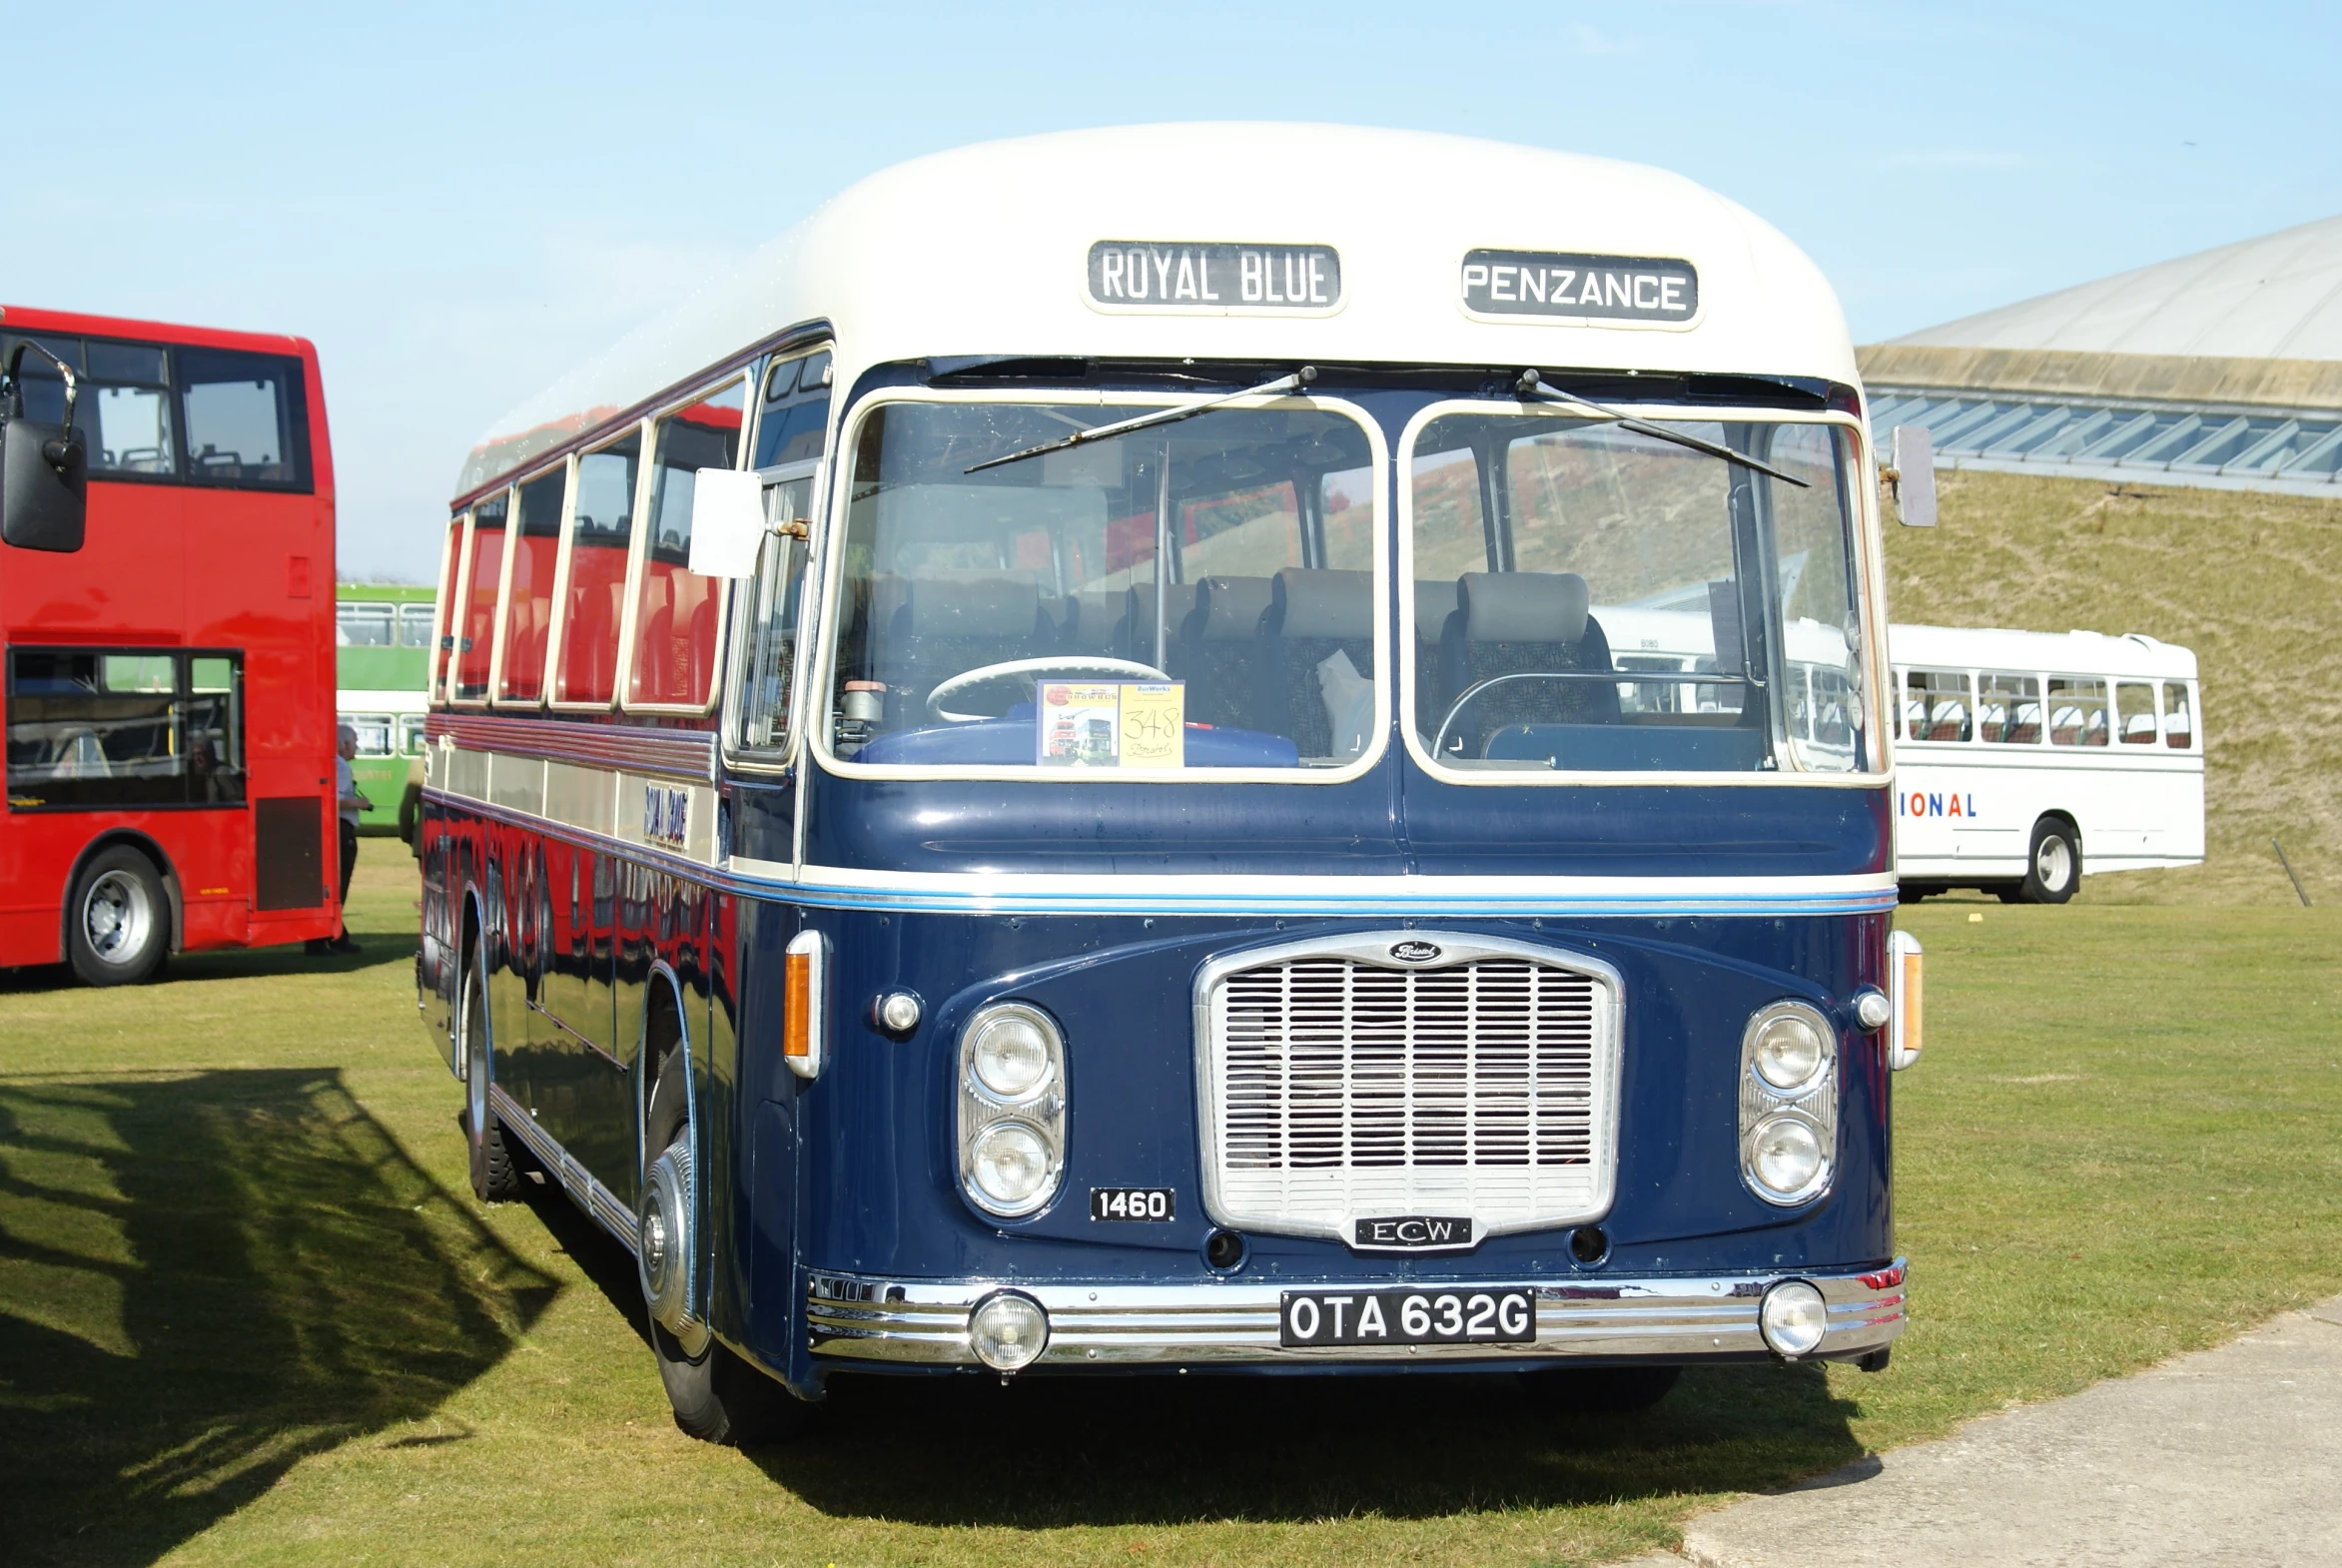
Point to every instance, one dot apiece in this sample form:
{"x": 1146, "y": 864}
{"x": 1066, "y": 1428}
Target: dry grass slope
{"x": 2253, "y": 583}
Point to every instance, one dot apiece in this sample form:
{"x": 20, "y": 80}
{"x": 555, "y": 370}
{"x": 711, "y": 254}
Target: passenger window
{"x": 373, "y": 732}
{"x": 415, "y": 625}
{"x": 2077, "y": 712}
{"x": 794, "y": 422}
{"x": 675, "y": 608}
{"x": 1936, "y": 706}
{"x": 90, "y": 728}
{"x": 246, "y": 418}
{"x": 528, "y": 607}
{"x": 2178, "y": 727}
{"x": 769, "y": 674}
{"x": 599, "y": 538}
{"x": 2009, "y": 709}
{"x": 410, "y": 735}
{"x": 122, "y": 412}
{"x": 2134, "y": 708}
{"x": 475, "y": 642}
{"x": 361, "y": 625}
{"x": 446, "y": 608}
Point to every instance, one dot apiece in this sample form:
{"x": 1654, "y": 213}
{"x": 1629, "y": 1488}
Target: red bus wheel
{"x": 117, "y": 924}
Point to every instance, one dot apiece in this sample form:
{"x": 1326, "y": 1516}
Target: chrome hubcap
{"x": 116, "y": 916}
{"x": 666, "y": 1247}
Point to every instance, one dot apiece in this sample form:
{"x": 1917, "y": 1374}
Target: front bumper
{"x": 1666, "y": 1319}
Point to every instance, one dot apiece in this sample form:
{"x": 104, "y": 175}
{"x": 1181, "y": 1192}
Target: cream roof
{"x": 981, "y": 251}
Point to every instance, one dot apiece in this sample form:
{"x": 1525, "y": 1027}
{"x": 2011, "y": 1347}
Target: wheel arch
{"x": 666, "y": 1031}
{"x": 165, "y": 871}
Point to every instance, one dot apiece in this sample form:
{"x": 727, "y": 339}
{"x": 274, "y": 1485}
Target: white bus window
{"x": 415, "y": 625}
{"x": 410, "y": 735}
{"x": 2009, "y": 711}
{"x": 2135, "y": 709}
{"x": 373, "y": 732}
{"x": 2077, "y": 712}
{"x": 2178, "y": 728}
{"x": 1937, "y": 705}
{"x": 675, "y": 607}
{"x": 769, "y": 673}
{"x": 361, "y": 625}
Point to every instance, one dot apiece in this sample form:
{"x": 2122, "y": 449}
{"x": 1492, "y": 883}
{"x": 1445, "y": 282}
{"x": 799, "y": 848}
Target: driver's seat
{"x": 1523, "y": 622}
{"x": 946, "y": 626}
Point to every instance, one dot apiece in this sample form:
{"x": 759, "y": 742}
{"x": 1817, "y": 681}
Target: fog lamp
{"x": 1007, "y": 1331}
{"x": 1009, "y": 1163}
{"x": 1792, "y": 1319}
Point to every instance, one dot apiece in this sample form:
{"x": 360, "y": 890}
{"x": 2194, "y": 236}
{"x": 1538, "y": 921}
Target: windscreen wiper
{"x": 1530, "y": 386}
{"x": 1187, "y": 411}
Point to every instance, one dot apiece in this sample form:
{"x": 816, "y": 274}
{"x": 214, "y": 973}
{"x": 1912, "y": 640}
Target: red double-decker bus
{"x": 167, "y": 615}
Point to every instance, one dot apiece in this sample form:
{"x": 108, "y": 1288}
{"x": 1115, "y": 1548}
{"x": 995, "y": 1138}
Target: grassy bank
{"x": 2253, "y": 583}
{"x": 250, "y": 1313}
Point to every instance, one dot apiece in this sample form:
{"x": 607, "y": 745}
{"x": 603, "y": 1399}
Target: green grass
{"x": 248, "y": 1311}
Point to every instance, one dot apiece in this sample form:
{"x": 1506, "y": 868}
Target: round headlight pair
{"x": 1787, "y": 1102}
{"x": 1012, "y": 1108}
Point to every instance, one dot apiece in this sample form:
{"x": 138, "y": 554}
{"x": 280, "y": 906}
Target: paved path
{"x": 2225, "y": 1457}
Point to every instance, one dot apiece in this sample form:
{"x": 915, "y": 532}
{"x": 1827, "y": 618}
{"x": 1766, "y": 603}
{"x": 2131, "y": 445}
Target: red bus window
{"x": 598, "y": 542}
{"x": 92, "y": 728}
{"x": 528, "y": 608}
{"x": 675, "y": 608}
{"x": 443, "y": 643}
{"x": 477, "y": 638}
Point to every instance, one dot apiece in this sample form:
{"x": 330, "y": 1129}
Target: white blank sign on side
{"x": 727, "y": 522}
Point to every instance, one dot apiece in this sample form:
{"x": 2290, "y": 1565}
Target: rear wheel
{"x": 117, "y": 924}
{"x": 1600, "y": 1390}
{"x": 717, "y": 1396}
{"x": 495, "y": 1177}
{"x": 2054, "y": 864}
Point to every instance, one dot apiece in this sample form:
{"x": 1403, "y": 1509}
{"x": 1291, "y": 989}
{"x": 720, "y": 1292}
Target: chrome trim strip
{"x": 680, "y": 753}
{"x": 925, "y": 1322}
{"x": 583, "y": 1189}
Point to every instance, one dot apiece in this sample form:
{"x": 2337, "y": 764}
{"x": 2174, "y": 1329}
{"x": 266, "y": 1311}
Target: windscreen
{"x": 1195, "y": 594}
{"x": 1588, "y": 598}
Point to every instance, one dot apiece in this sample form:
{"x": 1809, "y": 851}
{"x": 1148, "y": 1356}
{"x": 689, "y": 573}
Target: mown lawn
{"x": 248, "y": 1311}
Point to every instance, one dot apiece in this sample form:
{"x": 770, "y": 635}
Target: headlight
{"x": 1789, "y": 1093}
{"x": 1010, "y": 1055}
{"x": 1012, "y": 1108}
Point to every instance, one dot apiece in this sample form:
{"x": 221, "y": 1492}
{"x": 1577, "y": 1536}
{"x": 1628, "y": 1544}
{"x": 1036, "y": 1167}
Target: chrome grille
{"x": 1345, "y": 1084}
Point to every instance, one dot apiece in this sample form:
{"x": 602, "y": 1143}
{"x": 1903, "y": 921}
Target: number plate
{"x": 1133, "y": 1203}
{"x": 1372, "y": 1317}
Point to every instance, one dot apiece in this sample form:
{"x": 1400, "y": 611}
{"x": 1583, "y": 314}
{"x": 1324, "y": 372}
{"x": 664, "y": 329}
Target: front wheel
{"x": 496, "y": 1177}
{"x": 2053, "y": 867}
{"x": 117, "y": 924}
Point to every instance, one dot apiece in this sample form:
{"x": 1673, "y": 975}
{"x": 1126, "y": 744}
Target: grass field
{"x": 248, "y": 1311}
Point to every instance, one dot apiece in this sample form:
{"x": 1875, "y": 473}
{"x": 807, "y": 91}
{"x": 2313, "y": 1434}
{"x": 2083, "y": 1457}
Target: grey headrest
{"x": 1334, "y": 605}
{"x": 973, "y": 607}
{"x": 1523, "y": 606}
{"x": 1232, "y": 608}
{"x": 1179, "y": 601}
{"x": 1435, "y": 600}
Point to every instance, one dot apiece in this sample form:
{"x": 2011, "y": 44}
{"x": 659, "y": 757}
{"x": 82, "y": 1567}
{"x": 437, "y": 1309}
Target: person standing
{"x": 351, "y": 802}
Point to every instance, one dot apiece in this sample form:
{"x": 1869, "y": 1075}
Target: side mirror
{"x": 1913, "y": 476}
{"x": 727, "y": 522}
{"x": 44, "y": 471}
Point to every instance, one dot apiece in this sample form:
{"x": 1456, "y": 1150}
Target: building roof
{"x": 983, "y": 251}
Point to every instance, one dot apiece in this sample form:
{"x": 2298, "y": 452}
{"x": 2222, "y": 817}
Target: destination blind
{"x": 1154, "y": 274}
{"x": 1578, "y": 288}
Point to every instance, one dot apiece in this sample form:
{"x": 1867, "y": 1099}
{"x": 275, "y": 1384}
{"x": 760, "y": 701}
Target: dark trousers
{"x": 348, "y": 864}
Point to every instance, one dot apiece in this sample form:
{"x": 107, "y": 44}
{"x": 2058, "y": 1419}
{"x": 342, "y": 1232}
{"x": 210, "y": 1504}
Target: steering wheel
{"x": 1063, "y": 664}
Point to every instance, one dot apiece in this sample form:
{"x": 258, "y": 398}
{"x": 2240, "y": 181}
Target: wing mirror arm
{"x": 44, "y": 470}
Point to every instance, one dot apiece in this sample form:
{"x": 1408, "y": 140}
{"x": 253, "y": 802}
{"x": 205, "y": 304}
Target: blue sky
{"x": 458, "y": 202}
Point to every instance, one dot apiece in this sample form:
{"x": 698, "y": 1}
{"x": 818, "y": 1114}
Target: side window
{"x": 2134, "y": 710}
{"x": 93, "y": 728}
{"x": 450, "y": 570}
{"x": 246, "y": 418}
{"x": 675, "y": 608}
{"x": 793, "y": 423}
{"x": 768, "y": 675}
{"x": 602, "y": 533}
{"x": 415, "y": 625}
{"x": 411, "y": 734}
{"x": 476, "y": 636}
{"x": 1936, "y": 706}
{"x": 2077, "y": 712}
{"x": 128, "y": 427}
{"x": 2009, "y": 709}
{"x": 528, "y": 608}
{"x": 2179, "y": 725}
{"x": 374, "y": 733}
{"x": 361, "y": 625}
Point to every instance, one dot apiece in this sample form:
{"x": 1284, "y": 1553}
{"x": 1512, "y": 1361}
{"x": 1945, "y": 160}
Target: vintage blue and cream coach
{"x": 1193, "y": 748}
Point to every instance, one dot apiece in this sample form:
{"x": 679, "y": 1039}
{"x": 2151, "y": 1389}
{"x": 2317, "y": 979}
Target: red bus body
{"x": 180, "y": 560}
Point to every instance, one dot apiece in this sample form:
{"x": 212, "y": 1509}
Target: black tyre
{"x": 2052, "y": 866}
{"x": 1600, "y": 1390}
{"x": 117, "y": 922}
{"x": 495, "y": 1175}
{"x": 717, "y": 1396}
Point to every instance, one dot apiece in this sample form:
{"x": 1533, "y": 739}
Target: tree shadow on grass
{"x": 206, "y": 1279}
